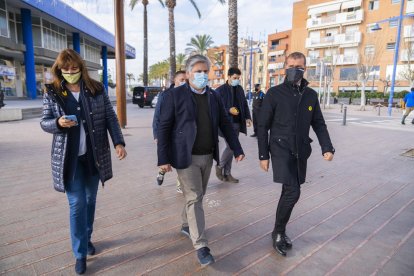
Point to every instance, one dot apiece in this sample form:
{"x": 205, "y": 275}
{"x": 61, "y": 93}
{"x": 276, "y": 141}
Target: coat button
{"x": 83, "y": 121}
{"x": 93, "y": 130}
{"x": 279, "y": 140}
{"x": 78, "y": 108}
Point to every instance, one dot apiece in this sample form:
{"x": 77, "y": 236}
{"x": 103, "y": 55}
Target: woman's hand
{"x": 120, "y": 152}
{"x": 65, "y": 122}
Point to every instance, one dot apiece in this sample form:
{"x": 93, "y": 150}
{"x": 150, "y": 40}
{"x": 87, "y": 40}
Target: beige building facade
{"x": 278, "y": 49}
{"x": 340, "y": 34}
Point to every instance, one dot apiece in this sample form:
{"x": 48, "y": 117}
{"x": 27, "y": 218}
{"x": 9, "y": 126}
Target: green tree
{"x": 132, "y": 4}
{"x": 129, "y": 77}
{"x": 159, "y": 71}
{"x": 181, "y": 59}
{"x": 199, "y": 44}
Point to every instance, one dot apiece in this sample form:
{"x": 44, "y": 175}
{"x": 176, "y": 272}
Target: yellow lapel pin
{"x": 310, "y": 108}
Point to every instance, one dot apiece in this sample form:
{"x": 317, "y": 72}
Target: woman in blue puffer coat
{"x": 77, "y": 111}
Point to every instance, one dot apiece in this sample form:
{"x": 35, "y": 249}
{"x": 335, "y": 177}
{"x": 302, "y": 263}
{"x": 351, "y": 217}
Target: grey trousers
{"x": 227, "y": 156}
{"x": 194, "y": 181}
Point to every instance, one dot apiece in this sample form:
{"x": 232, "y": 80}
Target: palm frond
{"x": 196, "y": 8}
{"x": 162, "y": 3}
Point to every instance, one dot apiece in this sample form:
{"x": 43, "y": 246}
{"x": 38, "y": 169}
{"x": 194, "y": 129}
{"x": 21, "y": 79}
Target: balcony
{"x": 282, "y": 47}
{"x": 408, "y": 32}
{"x": 410, "y": 7}
{"x": 336, "y": 59}
{"x": 407, "y": 55}
{"x": 343, "y": 18}
{"x": 340, "y": 40}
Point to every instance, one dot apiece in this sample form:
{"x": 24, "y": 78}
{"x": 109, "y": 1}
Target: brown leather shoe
{"x": 231, "y": 179}
{"x": 219, "y": 173}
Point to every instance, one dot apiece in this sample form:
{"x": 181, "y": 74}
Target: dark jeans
{"x": 288, "y": 198}
{"x": 81, "y": 193}
{"x": 255, "y": 118}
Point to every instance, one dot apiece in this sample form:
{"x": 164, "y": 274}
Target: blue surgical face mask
{"x": 235, "y": 82}
{"x": 181, "y": 83}
{"x": 200, "y": 80}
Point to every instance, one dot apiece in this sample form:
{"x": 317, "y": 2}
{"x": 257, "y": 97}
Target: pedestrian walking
{"x": 409, "y": 105}
{"x": 179, "y": 79}
{"x": 1, "y": 97}
{"x": 237, "y": 109}
{"x": 190, "y": 118}
{"x": 288, "y": 111}
{"x": 77, "y": 111}
{"x": 258, "y": 96}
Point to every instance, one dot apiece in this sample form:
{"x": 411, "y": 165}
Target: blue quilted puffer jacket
{"x": 101, "y": 120}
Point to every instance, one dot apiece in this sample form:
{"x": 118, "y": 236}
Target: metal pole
{"x": 344, "y": 117}
{"x": 320, "y": 79}
{"x": 120, "y": 62}
{"x": 251, "y": 69}
{"x": 397, "y": 48}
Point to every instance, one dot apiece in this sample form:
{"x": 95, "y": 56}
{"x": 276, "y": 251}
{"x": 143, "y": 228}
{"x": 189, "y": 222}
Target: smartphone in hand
{"x": 72, "y": 118}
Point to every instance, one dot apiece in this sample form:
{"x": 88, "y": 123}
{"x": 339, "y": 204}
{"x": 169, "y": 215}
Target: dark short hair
{"x": 296, "y": 55}
{"x": 233, "y": 71}
{"x": 178, "y": 73}
{"x": 257, "y": 85}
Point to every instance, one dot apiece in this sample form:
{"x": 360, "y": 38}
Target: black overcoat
{"x": 288, "y": 112}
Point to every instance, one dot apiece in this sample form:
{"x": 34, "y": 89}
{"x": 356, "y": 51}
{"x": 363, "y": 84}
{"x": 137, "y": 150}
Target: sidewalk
{"x": 355, "y": 215}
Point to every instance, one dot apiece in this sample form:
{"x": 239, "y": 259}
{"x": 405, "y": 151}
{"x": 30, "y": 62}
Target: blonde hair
{"x": 67, "y": 58}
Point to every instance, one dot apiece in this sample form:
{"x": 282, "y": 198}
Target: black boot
{"x": 279, "y": 244}
{"x": 403, "y": 119}
{"x": 80, "y": 266}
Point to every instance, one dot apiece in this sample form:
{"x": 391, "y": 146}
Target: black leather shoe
{"x": 279, "y": 244}
{"x": 91, "y": 249}
{"x": 80, "y": 266}
{"x": 288, "y": 241}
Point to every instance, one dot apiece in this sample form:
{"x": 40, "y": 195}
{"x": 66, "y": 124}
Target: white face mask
{"x": 235, "y": 82}
{"x": 181, "y": 83}
{"x": 200, "y": 80}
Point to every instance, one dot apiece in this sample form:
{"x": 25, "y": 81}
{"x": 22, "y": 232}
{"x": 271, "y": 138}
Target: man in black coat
{"x": 288, "y": 111}
{"x": 258, "y": 96}
{"x": 190, "y": 118}
{"x": 237, "y": 109}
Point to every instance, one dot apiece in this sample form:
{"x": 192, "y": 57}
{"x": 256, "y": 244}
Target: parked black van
{"x": 142, "y": 96}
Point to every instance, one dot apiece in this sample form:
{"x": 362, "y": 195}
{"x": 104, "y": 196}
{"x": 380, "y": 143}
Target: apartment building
{"x": 340, "y": 34}
{"x": 252, "y": 62}
{"x": 278, "y": 47}
{"x": 219, "y": 57}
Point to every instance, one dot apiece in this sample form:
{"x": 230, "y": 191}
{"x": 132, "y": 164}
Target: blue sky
{"x": 255, "y": 18}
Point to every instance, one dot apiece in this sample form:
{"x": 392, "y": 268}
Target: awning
{"x": 276, "y": 53}
{"x": 318, "y": 9}
{"x": 351, "y": 4}
{"x": 272, "y": 66}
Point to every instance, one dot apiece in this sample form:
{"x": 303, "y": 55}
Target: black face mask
{"x": 256, "y": 89}
{"x": 294, "y": 75}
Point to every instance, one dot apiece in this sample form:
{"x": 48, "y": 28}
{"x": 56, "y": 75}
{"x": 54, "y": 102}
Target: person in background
{"x": 179, "y": 79}
{"x": 288, "y": 111}
{"x": 258, "y": 96}
{"x": 77, "y": 111}
{"x": 190, "y": 119}
{"x": 237, "y": 109}
{"x": 409, "y": 105}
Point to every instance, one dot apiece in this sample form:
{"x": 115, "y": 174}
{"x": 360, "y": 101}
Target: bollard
{"x": 342, "y": 107}
{"x": 344, "y": 118}
{"x": 379, "y": 109}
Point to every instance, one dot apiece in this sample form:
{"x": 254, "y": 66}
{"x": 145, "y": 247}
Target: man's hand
{"x": 156, "y": 141}
{"x": 264, "y": 164}
{"x": 328, "y": 156}
{"x": 239, "y": 158}
{"x": 166, "y": 168}
{"x": 248, "y": 123}
{"x": 120, "y": 152}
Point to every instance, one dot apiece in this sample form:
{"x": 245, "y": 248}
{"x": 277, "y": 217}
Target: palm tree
{"x": 199, "y": 44}
{"x": 233, "y": 33}
{"x": 171, "y": 25}
{"x": 180, "y": 59}
{"x": 130, "y": 77}
{"x": 132, "y": 4}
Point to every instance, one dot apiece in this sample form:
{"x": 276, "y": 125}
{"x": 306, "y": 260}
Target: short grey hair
{"x": 194, "y": 59}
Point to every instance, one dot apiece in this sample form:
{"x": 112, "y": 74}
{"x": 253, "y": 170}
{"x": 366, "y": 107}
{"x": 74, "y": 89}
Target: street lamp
{"x": 251, "y": 50}
{"x": 376, "y": 27}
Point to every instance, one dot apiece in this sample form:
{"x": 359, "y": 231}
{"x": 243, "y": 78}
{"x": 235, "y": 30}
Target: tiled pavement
{"x": 355, "y": 215}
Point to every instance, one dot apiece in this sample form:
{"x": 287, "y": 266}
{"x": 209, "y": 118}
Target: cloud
{"x": 255, "y": 18}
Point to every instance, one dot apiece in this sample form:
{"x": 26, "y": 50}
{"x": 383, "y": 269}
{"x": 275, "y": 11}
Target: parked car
{"x": 143, "y": 96}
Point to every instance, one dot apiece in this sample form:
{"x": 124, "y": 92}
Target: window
{"x": 393, "y": 23}
{"x": 272, "y": 59}
{"x": 312, "y": 74}
{"x": 36, "y": 30}
{"x": 391, "y": 46}
{"x": 54, "y": 37}
{"x": 373, "y": 5}
{"x": 260, "y": 69}
{"x": 261, "y": 57}
{"x": 275, "y": 43}
{"x": 90, "y": 51}
{"x": 369, "y": 50}
{"x": 12, "y": 26}
{"x": 4, "y": 30}
{"x": 272, "y": 81}
{"x": 348, "y": 74}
